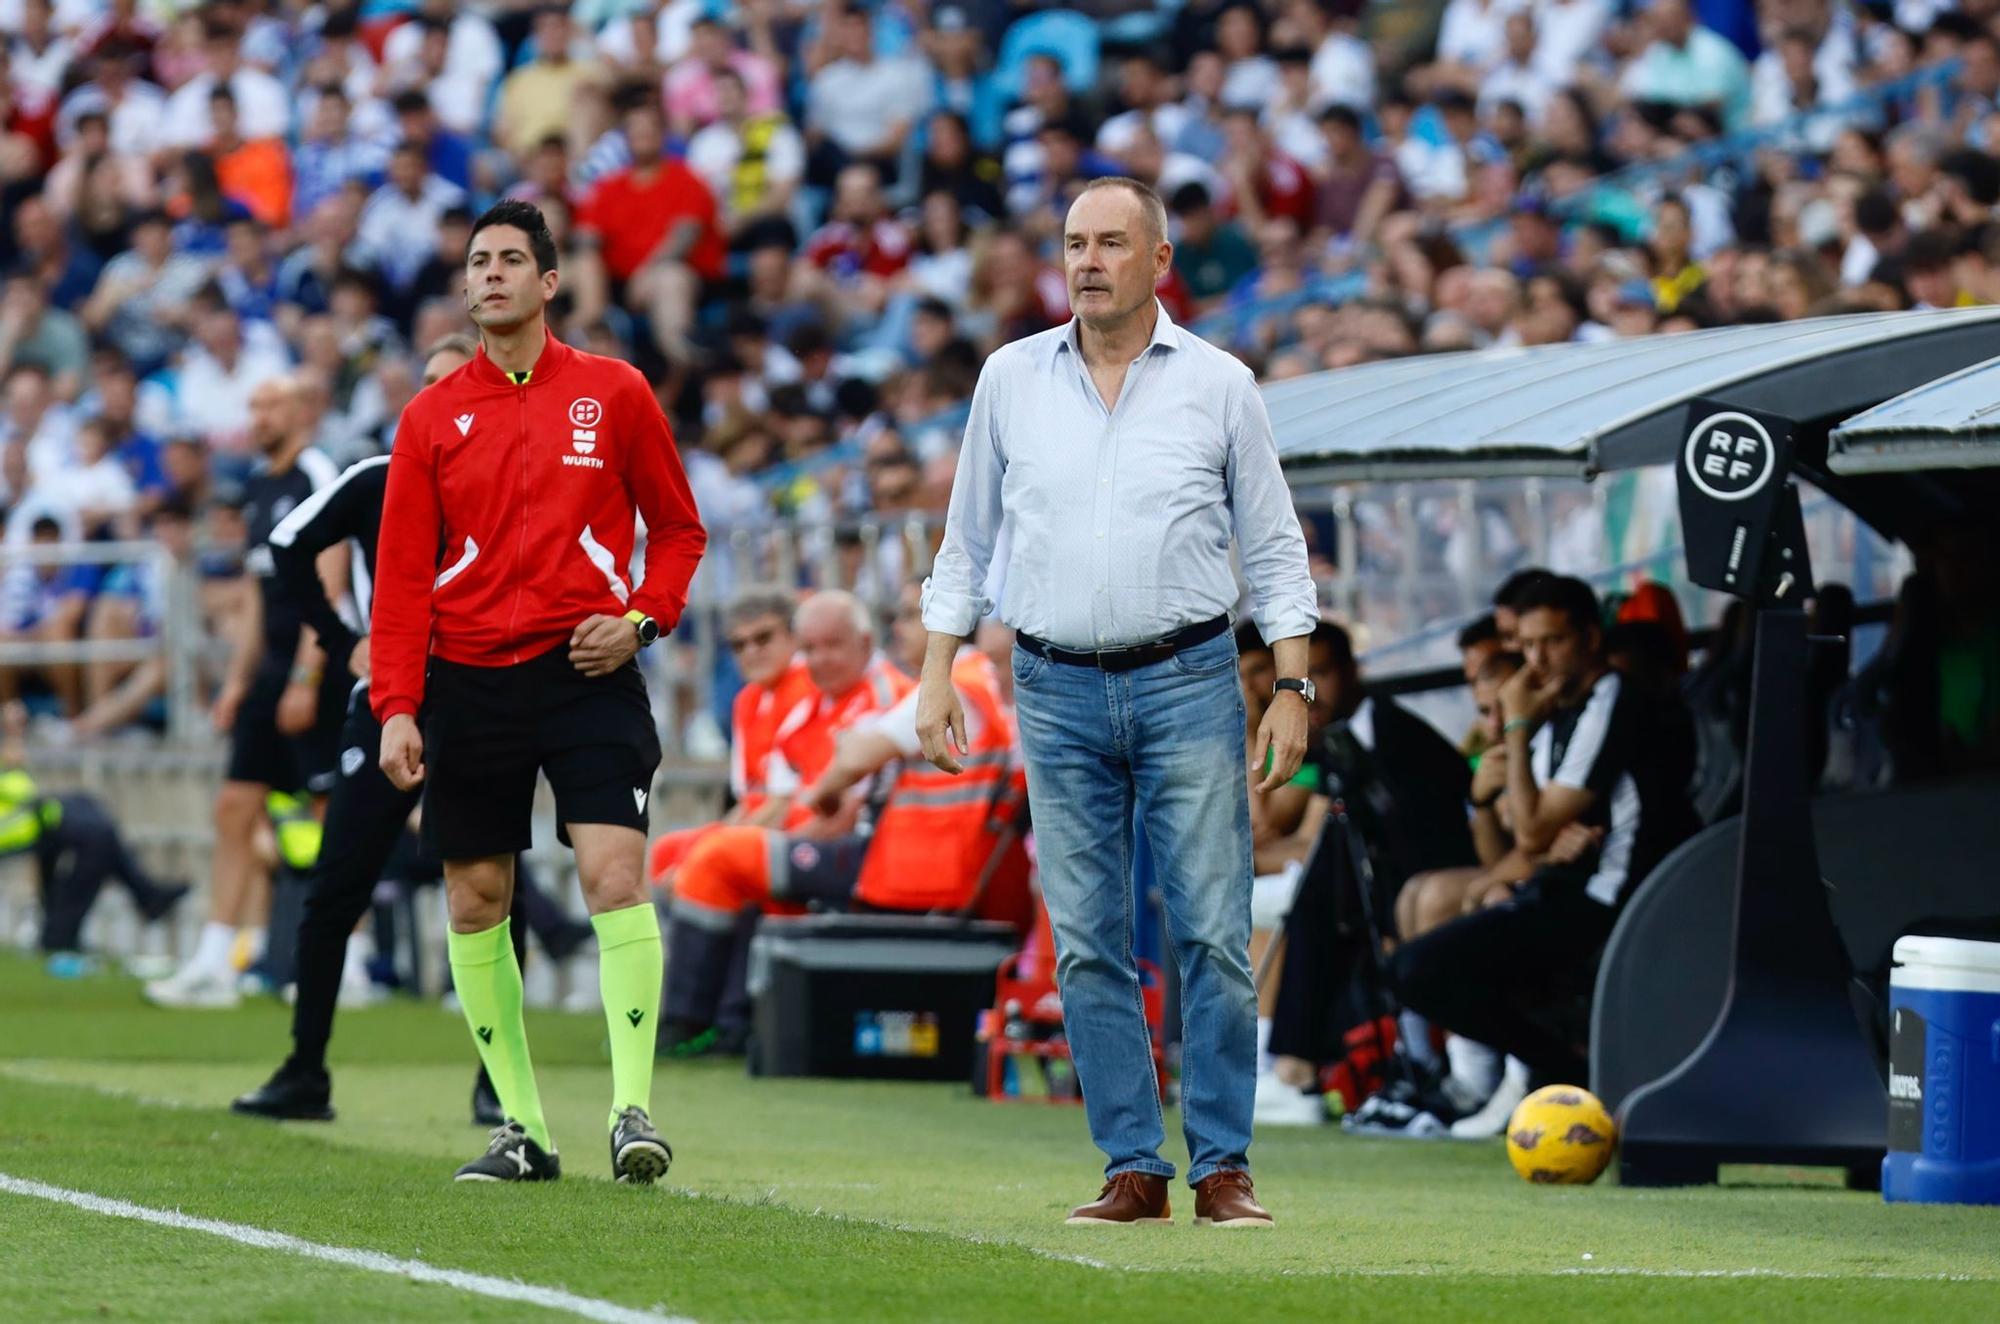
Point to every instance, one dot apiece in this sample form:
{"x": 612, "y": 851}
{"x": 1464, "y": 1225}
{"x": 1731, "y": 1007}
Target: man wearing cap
{"x": 1125, "y": 453}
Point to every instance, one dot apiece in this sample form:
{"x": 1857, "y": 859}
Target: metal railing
{"x": 181, "y": 639}
{"x": 1405, "y": 565}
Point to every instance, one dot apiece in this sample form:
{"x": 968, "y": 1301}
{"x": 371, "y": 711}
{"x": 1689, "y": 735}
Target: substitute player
{"x": 280, "y": 705}
{"x": 526, "y": 467}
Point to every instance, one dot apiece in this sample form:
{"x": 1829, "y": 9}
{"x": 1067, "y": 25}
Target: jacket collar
{"x": 551, "y": 361}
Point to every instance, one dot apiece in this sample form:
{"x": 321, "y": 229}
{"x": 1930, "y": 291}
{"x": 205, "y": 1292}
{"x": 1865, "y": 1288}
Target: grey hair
{"x": 757, "y": 602}
{"x": 1150, "y": 206}
{"x": 857, "y": 611}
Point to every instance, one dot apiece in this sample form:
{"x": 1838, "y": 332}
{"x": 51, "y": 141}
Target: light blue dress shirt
{"x": 1119, "y": 521}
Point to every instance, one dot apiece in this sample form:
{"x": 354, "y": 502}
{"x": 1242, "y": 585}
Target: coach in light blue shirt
{"x": 1124, "y": 453}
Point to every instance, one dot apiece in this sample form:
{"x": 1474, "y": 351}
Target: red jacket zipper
{"x": 521, "y": 523}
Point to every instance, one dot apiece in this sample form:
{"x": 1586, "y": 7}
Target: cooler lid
{"x": 1948, "y": 954}
{"x": 916, "y": 956}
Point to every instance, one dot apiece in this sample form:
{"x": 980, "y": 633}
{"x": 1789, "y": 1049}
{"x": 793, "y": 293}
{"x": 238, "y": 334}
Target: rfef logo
{"x": 1729, "y": 456}
{"x": 585, "y": 413}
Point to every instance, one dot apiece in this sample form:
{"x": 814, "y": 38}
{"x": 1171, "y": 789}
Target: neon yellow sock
{"x": 488, "y": 981}
{"x": 628, "y": 978}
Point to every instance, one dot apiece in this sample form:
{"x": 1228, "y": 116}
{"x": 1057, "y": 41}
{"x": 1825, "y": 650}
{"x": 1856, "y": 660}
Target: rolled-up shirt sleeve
{"x": 953, "y": 598}
{"x": 1268, "y": 537}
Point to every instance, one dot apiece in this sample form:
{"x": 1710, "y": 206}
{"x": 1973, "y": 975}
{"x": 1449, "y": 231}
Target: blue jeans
{"x": 1168, "y": 738}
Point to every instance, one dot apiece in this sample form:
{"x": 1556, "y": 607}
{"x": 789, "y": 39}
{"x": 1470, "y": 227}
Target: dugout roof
{"x": 1577, "y": 410}
{"x": 1950, "y": 423}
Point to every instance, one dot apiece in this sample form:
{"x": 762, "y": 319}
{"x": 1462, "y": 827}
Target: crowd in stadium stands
{"x": 808, "y": 222}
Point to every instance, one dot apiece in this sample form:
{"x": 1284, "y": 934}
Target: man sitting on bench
{"x": 927, "y": 851}
{"x": 1583, "y": 748}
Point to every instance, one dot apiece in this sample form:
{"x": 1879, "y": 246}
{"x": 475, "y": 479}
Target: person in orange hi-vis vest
{"x": 927, "y": 848}
{"x": 757, "y": 626}
{"x": 850, "y": 683}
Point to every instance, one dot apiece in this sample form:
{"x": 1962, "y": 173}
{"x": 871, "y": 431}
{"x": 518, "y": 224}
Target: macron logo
{"x": 464, "y": 422}
{"x": 639, "y": 800}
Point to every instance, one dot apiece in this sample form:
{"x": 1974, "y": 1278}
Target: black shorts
{"x": 489, "y": 730}
{"x": 259, "y": 752}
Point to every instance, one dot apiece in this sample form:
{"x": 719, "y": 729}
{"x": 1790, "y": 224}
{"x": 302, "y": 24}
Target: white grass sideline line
{"x": 1089, "y": 1236}
{"x": 478, "y": 1284}
{"x": 771, "y": 1200}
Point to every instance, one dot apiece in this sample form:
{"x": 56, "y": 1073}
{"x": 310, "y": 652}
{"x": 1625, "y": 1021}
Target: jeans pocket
{"x": 1211, "y": 657}
{"x": 1027, "y": 666}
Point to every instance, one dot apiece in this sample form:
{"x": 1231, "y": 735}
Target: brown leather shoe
{"x": 1224, "y": 1199}
{"x": 1129, "y": 1197}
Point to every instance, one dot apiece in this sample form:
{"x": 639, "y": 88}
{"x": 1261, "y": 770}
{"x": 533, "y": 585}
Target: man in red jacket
{"x": 503, "y": 614}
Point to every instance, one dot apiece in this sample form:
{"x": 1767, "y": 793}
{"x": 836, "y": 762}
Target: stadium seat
{"x": 1065, "y": 34}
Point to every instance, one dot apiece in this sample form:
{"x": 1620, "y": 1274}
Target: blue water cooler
{"x": 1944, "y": 1073}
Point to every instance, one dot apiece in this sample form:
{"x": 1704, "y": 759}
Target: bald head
{"x": 275, "y": 413}
{"x": 836, "y": 636}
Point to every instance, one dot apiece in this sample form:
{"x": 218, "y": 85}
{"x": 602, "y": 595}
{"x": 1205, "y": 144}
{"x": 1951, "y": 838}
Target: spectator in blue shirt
{"x": 329, "y": 155}
{"x": 450, "y": 154}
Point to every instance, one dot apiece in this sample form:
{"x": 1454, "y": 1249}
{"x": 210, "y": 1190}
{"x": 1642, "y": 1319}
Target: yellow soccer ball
{"x": 1561, "y": 1135}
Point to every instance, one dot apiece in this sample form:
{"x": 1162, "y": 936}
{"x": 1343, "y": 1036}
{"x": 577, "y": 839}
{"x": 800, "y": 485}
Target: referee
{"x": 366, "y": 815}
{"x": 516, "y": 642}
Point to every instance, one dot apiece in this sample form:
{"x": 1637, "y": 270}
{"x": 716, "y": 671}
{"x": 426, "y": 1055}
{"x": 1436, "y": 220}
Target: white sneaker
{"x": 1491, "y": 1120}
{"x": 193, "y": 987}
{"x": 357, "y": 991}
{"x": 1279, "y": 1104}
{"x": 1474, "y": 1064}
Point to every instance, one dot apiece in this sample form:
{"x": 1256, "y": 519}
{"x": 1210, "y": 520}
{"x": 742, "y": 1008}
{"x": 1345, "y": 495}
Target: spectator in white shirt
{"x": 671, "y": 31}
{"x": 402, "y": 216}
{"x": 1250, "y": 76}
{"x": 140, "y": 300}
{"x": 1805, "y": 67}
{"x": 208, "y": 394}
{"x": 472, "y": 58}
{"x": 93, "y": 489}
{"x": 1567, "y": 37}
{"x": 1472, "y": 35}
{"x": 1291, "y": 116}
{"x": 1343, "y": 67}
{"x": 861, "y": 106}
{"x": 136, "y": 108}
{"x": 459, "y": 98}
{"x": 1433, "y": 172}
{"x": 263, "y": 107}
{"x": 36, "y": 426}
{"x": 41, "y": 56}
{"x": 1147, "y": 94}
{"x": 1517, "y": 77}
{"x": 1783, "y": 82}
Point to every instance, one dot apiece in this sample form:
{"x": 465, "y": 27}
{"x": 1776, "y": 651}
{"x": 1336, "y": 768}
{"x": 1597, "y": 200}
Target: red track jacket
{"x": 509, "y": 517}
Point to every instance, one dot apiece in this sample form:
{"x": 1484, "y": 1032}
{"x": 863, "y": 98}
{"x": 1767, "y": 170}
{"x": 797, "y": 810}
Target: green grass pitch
{"x": 812, "y": 1200}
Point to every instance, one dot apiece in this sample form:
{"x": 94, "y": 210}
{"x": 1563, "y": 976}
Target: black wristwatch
{"x": 649, "y": 629}
{"x": 1301, "y": 687}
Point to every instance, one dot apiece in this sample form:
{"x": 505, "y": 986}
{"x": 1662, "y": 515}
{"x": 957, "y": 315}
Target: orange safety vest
{"x": 754, "y": 721}
{"x": 936, "y": 832}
